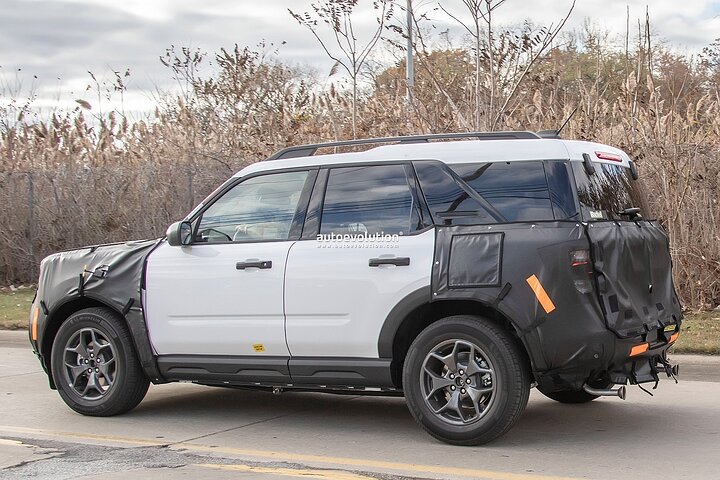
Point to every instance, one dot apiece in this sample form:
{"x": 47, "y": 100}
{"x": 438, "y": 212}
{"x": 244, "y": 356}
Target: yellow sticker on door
{"x": 258, "y": 347}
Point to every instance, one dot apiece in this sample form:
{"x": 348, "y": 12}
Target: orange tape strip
{"x": 638, "y": 349}
{"x": 541, "y": 294}
{"x": 36, "y": 314}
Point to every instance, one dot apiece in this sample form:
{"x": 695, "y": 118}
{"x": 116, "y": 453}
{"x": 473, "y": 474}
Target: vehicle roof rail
{"x": 311, "y": 149}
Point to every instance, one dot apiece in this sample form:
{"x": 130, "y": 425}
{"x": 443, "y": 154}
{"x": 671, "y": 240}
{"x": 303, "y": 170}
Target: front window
{"x": 260, "y": 208}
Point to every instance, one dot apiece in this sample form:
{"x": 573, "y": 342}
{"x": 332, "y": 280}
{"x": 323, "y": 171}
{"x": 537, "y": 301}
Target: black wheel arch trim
{"x": 397, "y": 316}
{"x": 134, "y": 319}
{"x": 423, "y": 296}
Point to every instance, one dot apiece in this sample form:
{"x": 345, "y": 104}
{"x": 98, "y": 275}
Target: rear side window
{"x": 609, "y": 191}
{"x": 517, "y": 190}
{"x": 369, "y": 200}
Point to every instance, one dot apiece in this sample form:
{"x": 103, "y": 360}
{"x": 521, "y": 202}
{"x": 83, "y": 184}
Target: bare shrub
{"x": 68, "y": 180}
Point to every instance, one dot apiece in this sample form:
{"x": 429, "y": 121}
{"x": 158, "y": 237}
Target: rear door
{"x": 371, "y": 250}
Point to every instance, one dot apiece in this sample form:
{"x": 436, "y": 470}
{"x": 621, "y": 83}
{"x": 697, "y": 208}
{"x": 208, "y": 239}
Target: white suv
{"x": 458, "y": 273}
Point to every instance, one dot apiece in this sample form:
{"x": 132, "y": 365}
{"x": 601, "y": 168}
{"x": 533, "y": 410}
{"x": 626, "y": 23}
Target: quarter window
{"x": 562, "y": 195}
{"x": 369, "y": 200}
{"x": 258, "y": 209}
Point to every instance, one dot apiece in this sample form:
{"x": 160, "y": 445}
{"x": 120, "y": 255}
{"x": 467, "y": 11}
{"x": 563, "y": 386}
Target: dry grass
{"x": 700, "y": 333}
{"x": 15, "y": 308}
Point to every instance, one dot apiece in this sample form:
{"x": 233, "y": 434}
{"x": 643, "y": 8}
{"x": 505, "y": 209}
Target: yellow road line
{"x": 289, "y": 472}
{"x": 136, "y": 442}
{"x": 369, "y": 464}
{"x": 345, "y": 462}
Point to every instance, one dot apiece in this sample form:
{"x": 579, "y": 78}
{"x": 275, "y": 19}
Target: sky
{"x": 48, "y": 46}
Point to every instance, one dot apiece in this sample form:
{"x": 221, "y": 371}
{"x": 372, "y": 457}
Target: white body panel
{"x": 197, "y": 302}
{"x": 467, "y": 151}
{"x": 336, "y": 304}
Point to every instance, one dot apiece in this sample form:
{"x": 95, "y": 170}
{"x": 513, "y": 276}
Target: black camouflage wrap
{"x": 572, "y": 342}
{"x": 634, "y": 276}
{"x": 109, "y": 274}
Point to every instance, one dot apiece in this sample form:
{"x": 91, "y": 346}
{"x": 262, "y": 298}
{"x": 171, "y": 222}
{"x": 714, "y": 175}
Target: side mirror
{"x": 179, "y": 234}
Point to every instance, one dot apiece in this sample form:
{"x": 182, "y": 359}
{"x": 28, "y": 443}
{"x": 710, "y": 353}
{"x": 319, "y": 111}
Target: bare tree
{"x": 502, "y": 59}
{"x": 348, "y": 52}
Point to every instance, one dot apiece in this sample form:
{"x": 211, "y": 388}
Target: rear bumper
{"x": 642, "y": 360}
{"x": 631, "y": 361}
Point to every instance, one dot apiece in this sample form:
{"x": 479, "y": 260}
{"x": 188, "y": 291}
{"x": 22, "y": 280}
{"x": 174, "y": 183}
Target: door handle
{"x": 261, "y": 264}
{"x": 397, "y": 261}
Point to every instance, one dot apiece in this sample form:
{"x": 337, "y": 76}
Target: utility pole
{"x": 410, "y": 66}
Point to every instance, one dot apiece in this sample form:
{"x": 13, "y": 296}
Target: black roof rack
{"x": 309, "y": 150}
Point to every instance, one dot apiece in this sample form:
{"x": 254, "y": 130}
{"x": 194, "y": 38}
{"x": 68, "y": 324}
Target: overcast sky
{"x": 60, "y": 40}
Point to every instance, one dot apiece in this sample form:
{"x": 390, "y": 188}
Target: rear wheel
{"x": 94, "y": 364}
{"x": 465, "y": 380}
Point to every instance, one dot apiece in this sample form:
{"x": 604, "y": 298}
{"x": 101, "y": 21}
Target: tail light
{"x": 579, "y": 258}
{"x": 582, "y": 270}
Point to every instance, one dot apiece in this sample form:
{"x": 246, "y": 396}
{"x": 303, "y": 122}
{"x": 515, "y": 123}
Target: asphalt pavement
{"x": 190, "y": 431}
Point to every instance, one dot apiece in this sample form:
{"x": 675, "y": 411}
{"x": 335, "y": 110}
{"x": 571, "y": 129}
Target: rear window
{"x": 609, "y": 191}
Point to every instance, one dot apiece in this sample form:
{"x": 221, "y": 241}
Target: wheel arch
{"x": 58, "y": 315}
{"x": 416, "y": 312}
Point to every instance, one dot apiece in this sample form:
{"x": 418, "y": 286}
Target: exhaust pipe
{"x": 610, "y": 392}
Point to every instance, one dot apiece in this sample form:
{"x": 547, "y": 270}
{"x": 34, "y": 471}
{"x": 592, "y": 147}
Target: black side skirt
{"x": 277, "y": 370}
{"x": 357, "y": 372}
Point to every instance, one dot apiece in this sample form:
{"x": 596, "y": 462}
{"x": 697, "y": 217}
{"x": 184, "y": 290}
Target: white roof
{"x": 466, "y": 151}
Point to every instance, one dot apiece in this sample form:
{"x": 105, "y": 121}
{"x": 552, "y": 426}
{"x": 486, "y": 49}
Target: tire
{"x": 94, "y": 364}
{"x": 574, "y": 396}
{"x": 458, "y": 403}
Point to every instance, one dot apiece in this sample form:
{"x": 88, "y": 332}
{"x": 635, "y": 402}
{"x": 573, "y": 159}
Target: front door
{"x": 223, "y": 294}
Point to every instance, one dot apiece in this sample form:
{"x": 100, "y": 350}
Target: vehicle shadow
{"x": 545, "y": 423}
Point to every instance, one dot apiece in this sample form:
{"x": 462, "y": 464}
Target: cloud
{"x": 65, "y": 38}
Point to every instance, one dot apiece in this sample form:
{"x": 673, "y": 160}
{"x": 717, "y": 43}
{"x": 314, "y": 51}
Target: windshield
{"x": 212, "y": 195}
{"x": 608, "y": 192}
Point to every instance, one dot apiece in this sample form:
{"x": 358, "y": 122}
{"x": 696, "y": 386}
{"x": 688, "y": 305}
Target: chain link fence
{"x": 46, "y": 211}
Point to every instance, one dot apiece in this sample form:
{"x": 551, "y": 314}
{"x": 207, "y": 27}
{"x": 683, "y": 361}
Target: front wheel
{"x": 465, "y": 380}
{"x": 94, "y": 364}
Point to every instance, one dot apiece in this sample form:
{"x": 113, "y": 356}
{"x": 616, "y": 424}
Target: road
{"x": 189, "y": 431}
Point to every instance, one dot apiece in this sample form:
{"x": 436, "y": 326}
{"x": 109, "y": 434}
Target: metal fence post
{"x": 31, "y": 216}
{"x": 191, "y": 193}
